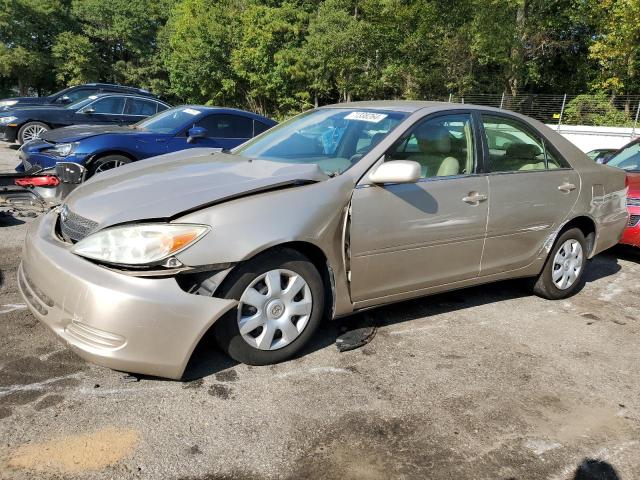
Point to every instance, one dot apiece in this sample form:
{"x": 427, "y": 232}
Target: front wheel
{"x": 280, "y": 305}
{"x": 31, "y": 131}
{"x": 563, "y": 272}
{"x": 107, "y": 163}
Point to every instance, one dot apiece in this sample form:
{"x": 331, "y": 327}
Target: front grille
{"x": 74, "y": 227}
{"x": 634, "y": 220}
{"x": 633, "y": 202}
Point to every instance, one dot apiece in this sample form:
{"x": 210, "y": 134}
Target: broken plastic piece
{"x": 355, "y": 338}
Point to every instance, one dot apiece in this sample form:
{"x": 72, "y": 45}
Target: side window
{"x": 161, "y": 107}
{"x": 443, "y": 146}
{"x": 512, "y": 147}
{"x": 554, "y": 161}
{"x": 137, "y": 106}
{"x": 259, "y": 127}
{"x": 227, "y": 126}
{"x": 111, "y": 105}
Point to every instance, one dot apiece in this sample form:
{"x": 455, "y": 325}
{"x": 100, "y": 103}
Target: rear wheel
{"x": 31, "y": 131}
{"x": 281, "y": 303}
{"x": 563, "y": 273}
{"x": 108, "y": 162}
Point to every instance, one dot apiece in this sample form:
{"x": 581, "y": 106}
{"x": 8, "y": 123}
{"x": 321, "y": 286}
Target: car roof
{"x": 123, "y": 94}
{"x": 113, "y": 85}
{"x": 228, "y": 110}
{"x": 393, "y": 105}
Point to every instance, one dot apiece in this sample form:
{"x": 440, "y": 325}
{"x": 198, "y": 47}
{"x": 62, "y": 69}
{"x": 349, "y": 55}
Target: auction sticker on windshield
{"x": 191, "y": 111}
{"x": 366, "y": 116}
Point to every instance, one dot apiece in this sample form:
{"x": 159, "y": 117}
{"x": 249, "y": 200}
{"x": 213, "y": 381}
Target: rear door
{"x": 532, "y": 190}
{"x": 137, "y": 109}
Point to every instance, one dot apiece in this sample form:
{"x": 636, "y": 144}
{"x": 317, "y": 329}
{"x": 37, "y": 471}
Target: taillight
{"x": 44, "y": 181}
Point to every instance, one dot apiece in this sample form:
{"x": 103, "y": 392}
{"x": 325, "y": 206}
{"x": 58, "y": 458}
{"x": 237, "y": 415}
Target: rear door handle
{"x": 567, "y": 187}
{"x": 474, "y": 198}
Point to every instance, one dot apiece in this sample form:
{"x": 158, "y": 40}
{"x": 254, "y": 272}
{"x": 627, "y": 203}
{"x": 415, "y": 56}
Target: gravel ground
{"x": 484, "y": 383}
{"x": 8, "y": 157}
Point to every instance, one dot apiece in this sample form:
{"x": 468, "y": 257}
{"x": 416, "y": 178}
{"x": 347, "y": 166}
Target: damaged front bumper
{"x": 141, "y": 325}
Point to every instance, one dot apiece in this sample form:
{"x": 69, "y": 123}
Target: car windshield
{"x": 81, "y": 103}
{"x": 169, "y": 120}
{"x": 332, "y": 138}
{"x": 628, "y": 159}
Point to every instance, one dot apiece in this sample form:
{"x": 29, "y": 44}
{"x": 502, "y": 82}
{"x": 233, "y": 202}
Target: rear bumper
{"x": 141, "y": 325}
{"x": 631, "y": 235}
{"x": 21, "y": 200}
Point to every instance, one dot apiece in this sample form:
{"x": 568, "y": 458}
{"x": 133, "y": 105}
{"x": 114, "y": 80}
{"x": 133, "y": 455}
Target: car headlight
{"x": 63, "y": 149}
{"x": 8, "y": 103}
{"x": 5, "y": 120}
{"x": 142, "y": 244}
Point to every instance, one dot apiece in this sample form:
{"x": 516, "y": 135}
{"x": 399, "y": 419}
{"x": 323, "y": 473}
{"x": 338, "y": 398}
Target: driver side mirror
{"x": 64, "y": 99}
{"x": 89, "y": 110}
{"x": 195, "y": 133}
{"x": 396, "y": 171}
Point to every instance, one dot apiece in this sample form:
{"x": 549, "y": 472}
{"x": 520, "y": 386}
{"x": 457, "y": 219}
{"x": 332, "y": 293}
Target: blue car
{"x": 101, "y": 147}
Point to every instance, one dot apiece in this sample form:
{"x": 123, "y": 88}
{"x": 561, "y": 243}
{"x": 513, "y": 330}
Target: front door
{"x": 409, "y": 237}
{"x": 533, "y": 189}
{"x": 107, "y": 110}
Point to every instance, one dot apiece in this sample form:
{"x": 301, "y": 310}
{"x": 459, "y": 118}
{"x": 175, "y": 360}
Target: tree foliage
{"x": 282, "y": 56}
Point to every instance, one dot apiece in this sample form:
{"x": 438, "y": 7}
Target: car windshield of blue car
{"x": 628, "y": 159}
{"x": 169, "y": 121}
{"x": 333, "y": 138}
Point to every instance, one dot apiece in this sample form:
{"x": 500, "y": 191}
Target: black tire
{"x": 544, "y": 286}
{"x": 226, "y": 329}
{"x": 26, "y": 127}
{"x": 97, "y": 166}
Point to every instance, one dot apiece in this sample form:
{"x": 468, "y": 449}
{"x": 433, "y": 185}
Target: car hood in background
{"x": 27, "y": 101}
{"x": 78, "y": 132}
{"x": 166, "y": 186}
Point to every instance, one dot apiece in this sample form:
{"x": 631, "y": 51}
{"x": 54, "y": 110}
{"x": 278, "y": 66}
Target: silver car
{"x": 339, "y": 209}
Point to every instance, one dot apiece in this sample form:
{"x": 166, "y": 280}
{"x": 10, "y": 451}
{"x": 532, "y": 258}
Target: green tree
{"x": 75, "y": 58}
{"x": 28, "y": 29}
{"x": 616, "y": 46}
{"x": 268, "y": 58}
{"x": 196, "y": 48}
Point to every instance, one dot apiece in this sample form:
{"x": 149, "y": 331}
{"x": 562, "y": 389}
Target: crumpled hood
{"x": 76, "y": 133}
{"x": 165, "y": 186}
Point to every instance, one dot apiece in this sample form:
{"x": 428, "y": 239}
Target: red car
{"x": 628, "y": 158}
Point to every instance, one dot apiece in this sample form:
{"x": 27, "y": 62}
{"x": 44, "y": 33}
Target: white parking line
{"x": 10, "y": 307}
{"x": 4, "y": 391}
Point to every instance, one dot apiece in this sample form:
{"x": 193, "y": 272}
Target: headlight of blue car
{"x": 63, "y": 149}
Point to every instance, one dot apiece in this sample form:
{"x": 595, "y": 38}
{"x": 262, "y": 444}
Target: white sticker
{"x": 191, "y": 111}
{"x": 366, "y": 116}
{"x": 93, "y": 97}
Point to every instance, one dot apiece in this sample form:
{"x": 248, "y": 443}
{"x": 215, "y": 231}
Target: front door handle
{"x": 567, "y": 187}
{"x": 474, "y": 198}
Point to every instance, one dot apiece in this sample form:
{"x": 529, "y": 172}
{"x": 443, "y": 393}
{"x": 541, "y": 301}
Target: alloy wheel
{"x": 103, "y": 167}
{"x": 567, "y": 264}
{"x": 32, "y": 132}
{"x": 274, "y": 309}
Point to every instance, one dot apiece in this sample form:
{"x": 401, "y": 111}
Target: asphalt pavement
{"x": 484, "y": 383}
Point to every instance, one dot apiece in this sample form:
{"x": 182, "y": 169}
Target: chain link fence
{"x": 589, "y": 110}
